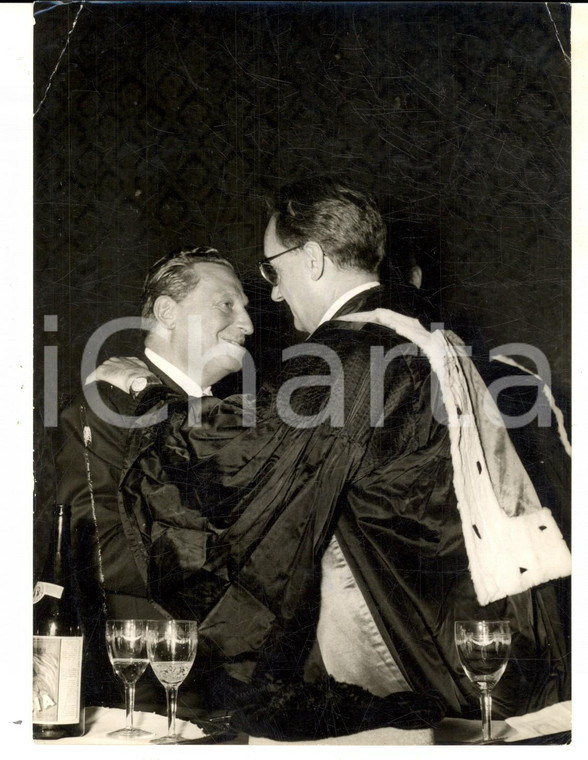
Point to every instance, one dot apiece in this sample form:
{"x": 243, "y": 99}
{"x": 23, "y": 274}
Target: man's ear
{"x": 314, "y": 259}
{"x": 415, "y": 276}
{"x": 164, "y": 311}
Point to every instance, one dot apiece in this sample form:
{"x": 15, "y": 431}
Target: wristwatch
{"x": 139, "y": 384}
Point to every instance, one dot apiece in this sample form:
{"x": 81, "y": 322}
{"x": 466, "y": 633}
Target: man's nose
{"x": 244, "y": 323}
{"x": 276, "y": 295}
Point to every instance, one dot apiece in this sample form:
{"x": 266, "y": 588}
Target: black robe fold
{"x": 228, "y": 525}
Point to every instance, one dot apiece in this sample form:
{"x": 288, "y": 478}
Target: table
{"x": 101, "y": 720}
{"x": 549, "y": 726}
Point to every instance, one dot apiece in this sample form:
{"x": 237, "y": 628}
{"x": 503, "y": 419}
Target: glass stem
{"x": 172, "y": 699}
{"x": 130, "y": 703}
{"x": 486, "y": 707}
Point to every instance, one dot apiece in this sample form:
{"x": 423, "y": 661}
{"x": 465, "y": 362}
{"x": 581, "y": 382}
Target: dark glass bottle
{"x": 58, "y": 642}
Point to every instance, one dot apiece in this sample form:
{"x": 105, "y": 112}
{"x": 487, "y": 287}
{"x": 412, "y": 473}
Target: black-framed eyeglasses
{"x": 267, "y": 270}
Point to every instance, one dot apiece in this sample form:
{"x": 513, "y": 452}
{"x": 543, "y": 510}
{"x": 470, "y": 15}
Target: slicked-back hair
{"x": 176, "y": 275}
{"x": 346, "y": 222}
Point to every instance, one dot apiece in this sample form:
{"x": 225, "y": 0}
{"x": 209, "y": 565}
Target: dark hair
{"x": 346, "y": 222}
{"x": 176, "y": 275}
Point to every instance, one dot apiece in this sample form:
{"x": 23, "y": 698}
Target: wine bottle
{"x": 58, "y": 641}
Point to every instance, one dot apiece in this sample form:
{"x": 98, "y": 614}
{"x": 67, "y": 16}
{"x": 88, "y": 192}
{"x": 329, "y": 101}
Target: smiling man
{"x": 198, "y": 320}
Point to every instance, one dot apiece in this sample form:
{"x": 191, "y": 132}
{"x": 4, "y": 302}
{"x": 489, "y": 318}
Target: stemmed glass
{"x": 171, "y": 648}
{"x": 483, "y": 647}
{"x": 127, "y": 650}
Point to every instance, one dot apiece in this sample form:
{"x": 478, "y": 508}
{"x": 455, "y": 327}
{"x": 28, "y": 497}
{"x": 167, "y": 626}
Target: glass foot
{"x": 130, "y": 733}
{"x": 173, "y": 739}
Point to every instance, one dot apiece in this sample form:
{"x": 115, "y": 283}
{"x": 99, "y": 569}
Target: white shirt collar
{"x": 180, "y": 378}
{"x": 334, "y": 308}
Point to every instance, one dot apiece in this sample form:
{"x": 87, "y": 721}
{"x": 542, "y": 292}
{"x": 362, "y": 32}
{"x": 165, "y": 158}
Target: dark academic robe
{"x": 94, "y": 470}
{"x": 230, "y": 523}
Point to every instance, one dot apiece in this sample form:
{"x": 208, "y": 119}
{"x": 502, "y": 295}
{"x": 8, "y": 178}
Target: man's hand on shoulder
{"x": 128, "y": 373}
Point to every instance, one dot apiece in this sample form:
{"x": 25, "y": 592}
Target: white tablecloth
{"x": 551, "y": 720}
{"x": 376, "y": 738}
{"x": 557, "y": 718}
{"x": 101, "y": 720}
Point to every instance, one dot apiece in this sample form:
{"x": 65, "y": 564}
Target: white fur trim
{"x": 512, "y": 542}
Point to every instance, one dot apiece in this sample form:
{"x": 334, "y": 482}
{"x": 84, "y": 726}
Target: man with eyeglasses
{"x": 343, "y": 546}
{"x": 323, "y": 246}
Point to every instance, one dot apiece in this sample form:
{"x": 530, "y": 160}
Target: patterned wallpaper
{"x": 160, "y": 124}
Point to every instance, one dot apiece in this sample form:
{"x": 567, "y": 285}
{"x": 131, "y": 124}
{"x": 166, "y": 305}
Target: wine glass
{"x": 171, "y": 648}
{"x": 483, "y": 647}
{"x": 127, "y": 650}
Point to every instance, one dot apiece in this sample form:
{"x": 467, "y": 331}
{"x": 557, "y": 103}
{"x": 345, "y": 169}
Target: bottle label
{"x": 46, "y": 589}
{"x": 57, "y": 679}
